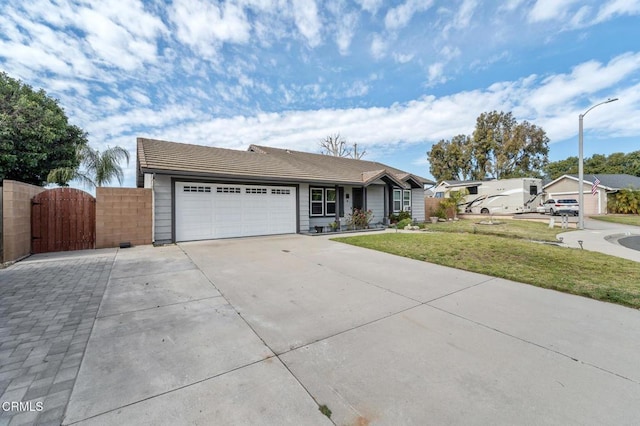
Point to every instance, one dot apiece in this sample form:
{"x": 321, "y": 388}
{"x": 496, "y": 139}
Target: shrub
{"x": 625, "y": 201}
{"x": 441, "y": 212}
{"x": 404, "y": 215}
{"x": 360, "y": 218}
{"x": 403, "y": 223}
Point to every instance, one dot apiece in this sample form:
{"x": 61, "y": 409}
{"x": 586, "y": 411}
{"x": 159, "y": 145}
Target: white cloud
{"x": 378, "y": 46}
{"x": 357, "y": 89}
{"x": 370, "y": 6}
{"x": 204, "y": 26}
{"x": 615, "y": 8}
{"x": 306, "y": 17}
{"x": 343, "y": 24}
{"x": 545, "y": 10}
{"x": 398, "y": 17}
{"x": 403, "y": 58}
{"x": 465, "y": 13}
{"x": 585, "y": 79}
{"x": 436, "y": 74}
{"x": 510, "y": 5}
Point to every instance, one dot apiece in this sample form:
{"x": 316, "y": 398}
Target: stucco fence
{"x": 123, "y": 215}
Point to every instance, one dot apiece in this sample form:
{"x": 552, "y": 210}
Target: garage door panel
{"x": 225, "y": 211}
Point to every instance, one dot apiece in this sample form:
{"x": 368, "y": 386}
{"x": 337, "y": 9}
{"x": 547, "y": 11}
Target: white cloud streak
{"x": 398, "y": 17}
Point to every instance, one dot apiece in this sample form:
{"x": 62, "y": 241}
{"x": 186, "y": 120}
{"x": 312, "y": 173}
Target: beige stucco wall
{"x": 16, "y": 219}
{"x": 123, "y": 215}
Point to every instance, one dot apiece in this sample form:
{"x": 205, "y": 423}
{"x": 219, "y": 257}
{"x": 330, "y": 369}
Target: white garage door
{"x": 207, "y": 211}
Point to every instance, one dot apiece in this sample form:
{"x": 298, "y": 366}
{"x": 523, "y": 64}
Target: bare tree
{"x": 357, "y": 155}
{"x": 335, "y": 145}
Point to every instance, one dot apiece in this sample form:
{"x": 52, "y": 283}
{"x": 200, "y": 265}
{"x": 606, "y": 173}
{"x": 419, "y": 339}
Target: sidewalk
{"x": 600, "y": 236}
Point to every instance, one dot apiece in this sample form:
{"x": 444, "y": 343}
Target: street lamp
{"x": 581, "y": 164}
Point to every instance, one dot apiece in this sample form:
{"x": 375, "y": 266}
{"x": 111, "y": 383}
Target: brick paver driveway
{"x": 48, "y": 304}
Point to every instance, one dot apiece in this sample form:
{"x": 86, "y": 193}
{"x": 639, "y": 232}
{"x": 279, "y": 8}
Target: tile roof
{"x": 612, "y": 181}
{"x": 260, "y": 162}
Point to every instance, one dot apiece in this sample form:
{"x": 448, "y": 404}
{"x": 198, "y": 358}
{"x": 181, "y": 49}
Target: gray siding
{"x": 162, "y": 208}
{"x": 303, "y": 207}
{"x": 417, "y": 204}
{"x": 375, "y": 202}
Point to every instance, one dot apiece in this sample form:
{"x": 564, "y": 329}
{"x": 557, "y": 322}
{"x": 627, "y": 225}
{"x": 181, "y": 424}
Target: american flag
{"x": 594, "y": 187}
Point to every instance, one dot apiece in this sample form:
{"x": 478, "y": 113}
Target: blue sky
{"x": 392, "y": 76}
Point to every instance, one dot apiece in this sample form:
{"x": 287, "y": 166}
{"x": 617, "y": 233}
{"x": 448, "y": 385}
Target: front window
{"x": 317, "y": 202}
{"x": 406, "y": 201}
{"x": 397, "y": 200}
{"x": 330, "y": 203}
{"x": 439, "y": 195}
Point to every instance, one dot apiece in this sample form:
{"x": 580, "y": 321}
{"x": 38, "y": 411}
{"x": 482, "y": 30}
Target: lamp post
{"x": 581, "y": 164}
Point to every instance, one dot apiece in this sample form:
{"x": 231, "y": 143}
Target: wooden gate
{"x": 63, "y": 219}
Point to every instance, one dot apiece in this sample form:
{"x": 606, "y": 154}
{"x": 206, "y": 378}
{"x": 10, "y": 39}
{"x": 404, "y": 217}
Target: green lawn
{"x": 514, "y": 228}
{"x": 625, "y": 219}
{"x": 575, "y": 271}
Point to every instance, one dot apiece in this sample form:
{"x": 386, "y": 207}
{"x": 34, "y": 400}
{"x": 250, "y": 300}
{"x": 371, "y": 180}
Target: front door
{"x": 358, "y": 198}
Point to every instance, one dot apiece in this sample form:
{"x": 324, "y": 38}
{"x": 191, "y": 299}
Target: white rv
{"x": 502, "y": 196}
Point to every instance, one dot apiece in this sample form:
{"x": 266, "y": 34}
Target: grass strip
{"x": 627, "y": 219}
{"x": 510, "y": 228}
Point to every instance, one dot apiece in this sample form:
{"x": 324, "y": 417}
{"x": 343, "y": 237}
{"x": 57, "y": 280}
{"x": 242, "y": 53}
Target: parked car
{"x": 558, "y": 206}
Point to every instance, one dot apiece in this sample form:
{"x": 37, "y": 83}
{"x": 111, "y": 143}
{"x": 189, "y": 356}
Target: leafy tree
{"x": 504, "y": 148}
{"x": 500, "y": 148}
{"x": 451, "y": 159}
{"x": 616, "y": 163}
{"x": 555, "y": 169}
{"x": 99, "y": 167}
{"x": 35, "y": 135}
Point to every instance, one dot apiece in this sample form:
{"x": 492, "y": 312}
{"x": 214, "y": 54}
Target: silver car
{"x": 555, "y": 206}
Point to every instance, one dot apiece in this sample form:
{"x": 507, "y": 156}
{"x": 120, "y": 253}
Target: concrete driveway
{"x": 263, "y": 330}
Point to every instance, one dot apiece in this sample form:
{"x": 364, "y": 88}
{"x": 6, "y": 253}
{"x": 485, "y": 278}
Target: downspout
{"x": 153, "y": 209}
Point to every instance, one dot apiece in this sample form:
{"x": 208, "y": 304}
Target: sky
{"x": 395, "y": 77}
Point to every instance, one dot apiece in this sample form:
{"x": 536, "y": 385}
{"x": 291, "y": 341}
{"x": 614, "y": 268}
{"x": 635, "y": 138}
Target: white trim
{"x": 393, "y": 200}
{"x": 585, "y": 182}
{"x": 327, "y": 202}
{"x": 311, "y": 201}
{"x": 404, "y": 207}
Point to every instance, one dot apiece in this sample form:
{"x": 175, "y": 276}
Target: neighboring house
{"x": 203, "y": 192}
{"x": 566, "y": 186}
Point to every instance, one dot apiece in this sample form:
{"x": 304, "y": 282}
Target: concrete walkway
{"x": 601, "y": 237}
{"x": 48, "y": 304}
{"x": 264, "y": 330}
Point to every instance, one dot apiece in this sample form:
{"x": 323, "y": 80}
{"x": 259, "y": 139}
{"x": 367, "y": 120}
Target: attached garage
{"x": 205, "y": 211}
